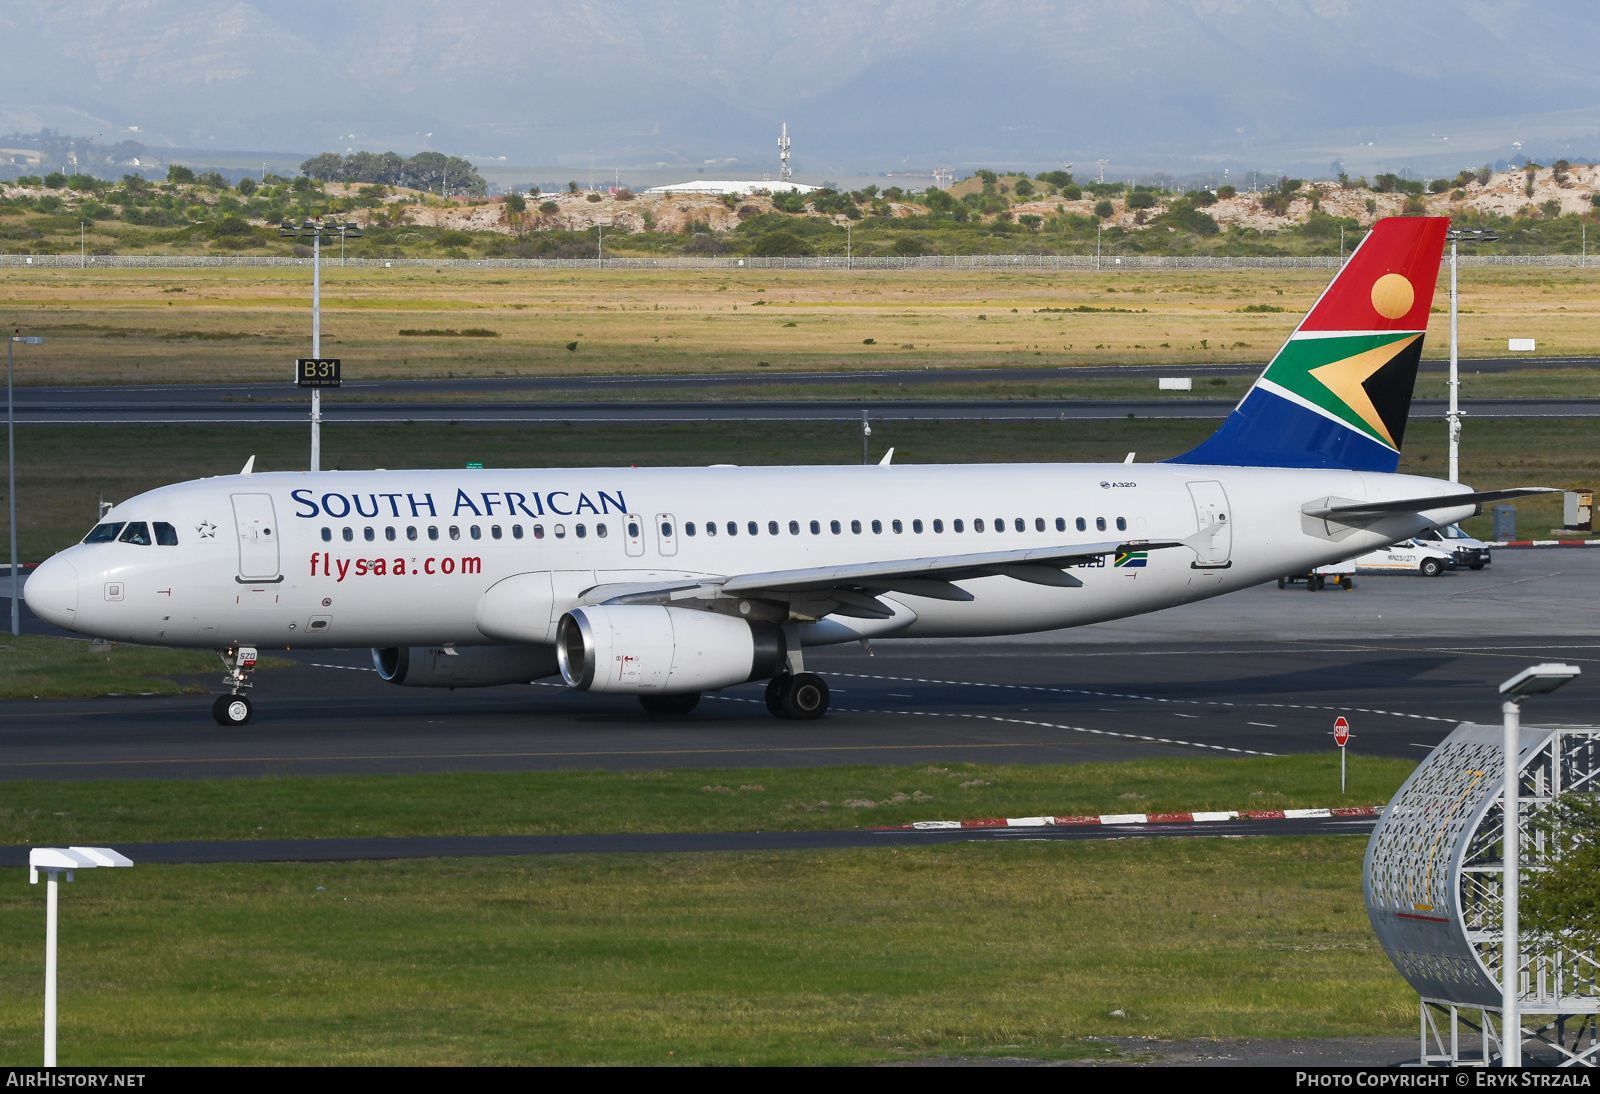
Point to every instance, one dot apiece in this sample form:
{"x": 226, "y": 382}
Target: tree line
{"x": 431, "y": 171}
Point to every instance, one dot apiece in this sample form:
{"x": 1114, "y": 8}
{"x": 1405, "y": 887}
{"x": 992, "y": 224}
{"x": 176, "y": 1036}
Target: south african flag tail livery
{"x": 1338, "y": 393}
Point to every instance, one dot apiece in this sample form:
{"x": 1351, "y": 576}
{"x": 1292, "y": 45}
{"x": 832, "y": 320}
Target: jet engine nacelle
{"x": 467, "y": 667}
{"x": 639, "y": 649}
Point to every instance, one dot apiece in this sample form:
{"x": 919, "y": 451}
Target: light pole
{"x": 1537, "y": 680}
{"x": 55, "y": 861}
{"x": 1458, "y": 235}
{"x": 11, "y": 471}
{"x": 316, "y": 231}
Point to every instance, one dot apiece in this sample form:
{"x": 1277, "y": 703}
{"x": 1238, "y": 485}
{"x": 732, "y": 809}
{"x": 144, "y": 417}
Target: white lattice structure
{"x": 1432, "y": 883}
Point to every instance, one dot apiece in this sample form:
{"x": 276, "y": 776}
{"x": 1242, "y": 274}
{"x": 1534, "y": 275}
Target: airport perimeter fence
{"x": 1107, "y": 263}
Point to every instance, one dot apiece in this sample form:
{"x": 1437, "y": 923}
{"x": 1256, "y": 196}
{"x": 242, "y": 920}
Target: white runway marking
{"x": 1023, "y": 722}
{"x": 346, "y": 668}
{"x": 1148, "y": 698}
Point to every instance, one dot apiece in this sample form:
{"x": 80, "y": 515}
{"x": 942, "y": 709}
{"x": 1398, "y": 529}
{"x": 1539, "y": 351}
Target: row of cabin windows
{"x": 136, "y": 532}
{"x": 475, "y": 531}
{"x": 712, "y": 528}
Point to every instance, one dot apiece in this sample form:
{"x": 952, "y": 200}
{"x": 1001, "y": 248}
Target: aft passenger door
{"x": 1213, "y": 543}
{"x": 257, "y": 525}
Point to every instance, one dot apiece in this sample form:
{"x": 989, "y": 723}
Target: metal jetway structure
{"x": 1433, "y": 888}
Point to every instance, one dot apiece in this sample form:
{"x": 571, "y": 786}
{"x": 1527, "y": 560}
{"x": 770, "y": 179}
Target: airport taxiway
{"x": 1404, "y": 658}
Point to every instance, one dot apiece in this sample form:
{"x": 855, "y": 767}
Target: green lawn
{"x": 805, "y": 957}
{"x": 40, "y": 667}
{"x": 714, "y": 800}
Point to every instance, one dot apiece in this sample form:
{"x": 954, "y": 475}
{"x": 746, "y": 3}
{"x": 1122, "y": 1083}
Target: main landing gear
{"x": 802, "y": 696}
{"x": 235, "y": 708}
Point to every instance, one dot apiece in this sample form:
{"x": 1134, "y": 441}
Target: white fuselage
{"x": 399, "y": 558}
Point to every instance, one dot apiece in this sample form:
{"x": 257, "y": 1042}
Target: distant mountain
{"x": 1181, "y": 85}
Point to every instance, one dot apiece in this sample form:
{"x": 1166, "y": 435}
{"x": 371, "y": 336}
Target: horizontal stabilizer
{"x": 1360, "y": 512}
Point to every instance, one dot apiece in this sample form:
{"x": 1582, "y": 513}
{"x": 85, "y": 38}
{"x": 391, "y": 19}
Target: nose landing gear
{"x": 235, "y": 708}
{"x": 802, "y": 696}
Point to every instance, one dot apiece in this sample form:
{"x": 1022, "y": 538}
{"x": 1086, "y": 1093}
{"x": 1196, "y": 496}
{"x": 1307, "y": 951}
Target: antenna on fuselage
{"x": 249, "y": 466}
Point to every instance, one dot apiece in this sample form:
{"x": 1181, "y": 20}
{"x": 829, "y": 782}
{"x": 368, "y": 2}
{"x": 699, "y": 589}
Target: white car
{"x": 1469, "y": 552}
{"x": 1409, "y": 555}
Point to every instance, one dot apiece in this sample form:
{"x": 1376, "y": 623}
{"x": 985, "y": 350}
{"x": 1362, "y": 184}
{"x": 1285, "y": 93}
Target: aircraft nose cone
{"x": 51, "y": 592}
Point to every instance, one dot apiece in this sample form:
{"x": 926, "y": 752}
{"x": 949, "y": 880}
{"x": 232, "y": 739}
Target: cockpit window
{"x": 166, "y": 534}
{"x": 137, "y": 532}
{"x": 103, "y": 533}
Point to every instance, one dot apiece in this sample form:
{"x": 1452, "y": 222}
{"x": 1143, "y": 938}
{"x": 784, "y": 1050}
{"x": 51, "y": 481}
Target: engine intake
{"x": 467, "y": 667}
{"x": 640, "y": 649}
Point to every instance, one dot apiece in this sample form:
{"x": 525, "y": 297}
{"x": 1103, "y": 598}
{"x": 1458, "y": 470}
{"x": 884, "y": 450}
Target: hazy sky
{"x": 1181, "y": 85}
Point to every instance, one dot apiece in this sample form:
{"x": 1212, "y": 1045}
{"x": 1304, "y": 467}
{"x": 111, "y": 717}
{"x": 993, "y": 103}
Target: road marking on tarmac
{"x": 1021, "y": 722}
{"x": 1147, "y": 698}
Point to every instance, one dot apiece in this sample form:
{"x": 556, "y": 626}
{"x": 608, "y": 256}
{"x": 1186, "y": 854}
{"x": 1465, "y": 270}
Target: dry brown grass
{"x": 153, "y": 326}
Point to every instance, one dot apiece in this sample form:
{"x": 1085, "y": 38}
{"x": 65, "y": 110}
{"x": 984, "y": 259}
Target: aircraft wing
{"x": 1361, "y": 512}
{"x": 853, "y": 589}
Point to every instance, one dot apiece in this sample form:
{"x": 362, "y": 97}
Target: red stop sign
{"x": 1341, "y": 731}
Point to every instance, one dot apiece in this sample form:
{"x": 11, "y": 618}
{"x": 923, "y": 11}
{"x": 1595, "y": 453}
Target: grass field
{"x": 154, "y": 326}
{"x": 41, "y": 667}
{"x": 63, "y": 472}
{"x": 749, "y": 799}
{"x": 806, "y": 957}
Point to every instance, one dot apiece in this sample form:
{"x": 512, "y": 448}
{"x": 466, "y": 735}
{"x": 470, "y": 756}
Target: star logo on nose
{"x": 206, "y": 529}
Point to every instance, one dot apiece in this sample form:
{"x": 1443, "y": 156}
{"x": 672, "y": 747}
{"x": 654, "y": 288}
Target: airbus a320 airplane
{"x": 664, "y": 583}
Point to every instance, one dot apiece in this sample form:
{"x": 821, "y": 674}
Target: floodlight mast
{"x": 1535, "y": 680}
{"x": 1453, "y": 417}
{"x": 316, "y": 231}
{"x": 11, "y": 471}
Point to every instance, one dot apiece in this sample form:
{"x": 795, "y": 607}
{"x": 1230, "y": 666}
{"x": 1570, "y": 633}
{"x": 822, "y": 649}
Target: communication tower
{"x": 1102, "y": 164}
{"x": 784, "y": 173}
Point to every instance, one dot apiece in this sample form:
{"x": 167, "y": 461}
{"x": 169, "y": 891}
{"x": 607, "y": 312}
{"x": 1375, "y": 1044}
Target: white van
{"x": 1469, "y": 552}
{"x": 1409, "y": 555}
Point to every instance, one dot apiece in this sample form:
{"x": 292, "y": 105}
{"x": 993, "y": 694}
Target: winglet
{"x": 249, "y": 466}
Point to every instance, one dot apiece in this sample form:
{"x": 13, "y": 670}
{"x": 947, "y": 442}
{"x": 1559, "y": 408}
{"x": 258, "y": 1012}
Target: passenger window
{"x": 367, "y": 534}
{"x": 137, "y": 533}
{"x": 897, "y": 526}
{"x": 1038, "y": 524}
{"x": 600, "y": 530}
{"x": 711, "y": 528}
{"x": 411, "y": 532}
{"x": 833, "y": 525}
{"x": 977, "y": 525}
{"x": 1081, "y": 525}
{"x": 348, "y": 534}
{"x": 794, "y": 528}
{"x": 455, "y": 533}
{"x": 816, "y": 527}
{"x": 855, "y": 527}
{"x": 772, "y": 527}
{"x": 433, "y": 532}
{"x": 327, "y": 535}
{"x": 916, "y": 526}
{"x": 583, "y": 532}
{"x": 666, "y": 530}
{"x": 516, "y": 531}
{"x": 388, "y": 534}
{"x": 938, "y": 527}
{"x": 1000, "y": 524}
{"x": 1061, "y": 524}
{"x": 106, "y": 533}
{"x": 877, "y": 527}
{"x": 1122, "y": 524}
{"x": 956, "y": 525}
{"x": 1100, "y": 523}
{"x": 561, "y": 531}
{"x": 166, "y": 534}
{"x": 476, "y": 532}
{"x": 688, "y": 529}
{"x": 753, "y": 528}
{"x": 538, "y": 531}
{"x": 733, "y": 528}
{"x": 494, "y": 532}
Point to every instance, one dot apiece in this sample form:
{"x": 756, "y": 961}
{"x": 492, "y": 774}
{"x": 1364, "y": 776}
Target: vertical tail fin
{"x": 1339, "y": 391}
